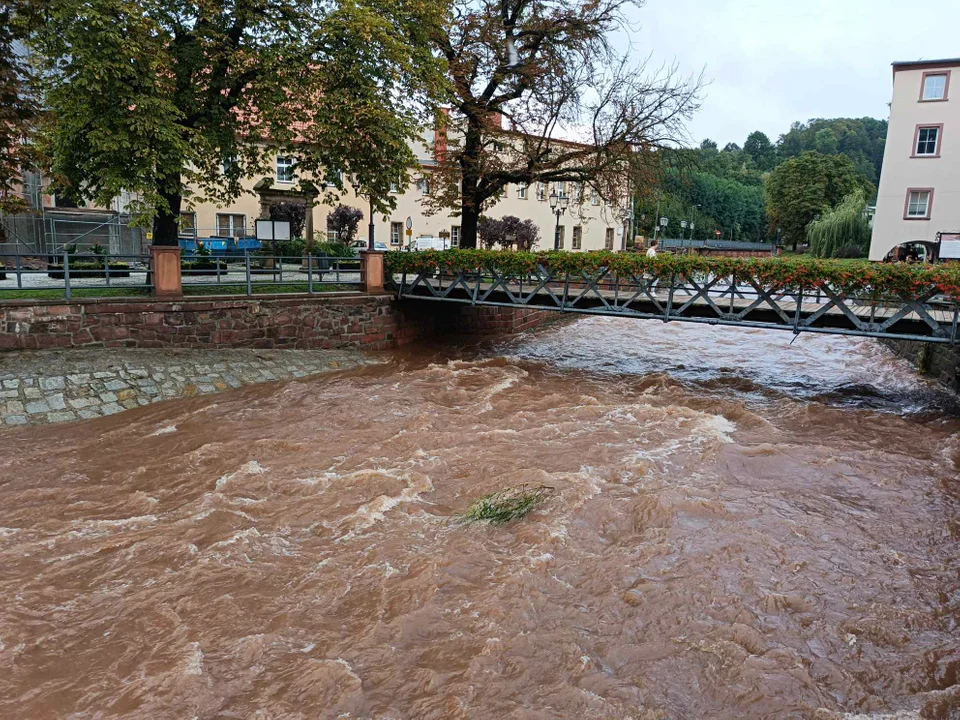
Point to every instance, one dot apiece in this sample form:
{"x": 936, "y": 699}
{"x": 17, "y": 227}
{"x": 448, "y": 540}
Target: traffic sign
{"x": 409, "y": 223}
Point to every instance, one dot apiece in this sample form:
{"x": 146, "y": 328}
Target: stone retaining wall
{"x": 367, "y": 322}
{"x": 941, "y": 362}
{"x": 338, "y": 321}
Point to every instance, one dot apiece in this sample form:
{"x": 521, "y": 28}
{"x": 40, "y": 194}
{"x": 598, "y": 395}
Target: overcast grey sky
{"x": 777, "y": 61}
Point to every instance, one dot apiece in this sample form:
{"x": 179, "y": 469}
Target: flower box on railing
{"x": 83, "y": 269}
{"x": 858, "y": 278}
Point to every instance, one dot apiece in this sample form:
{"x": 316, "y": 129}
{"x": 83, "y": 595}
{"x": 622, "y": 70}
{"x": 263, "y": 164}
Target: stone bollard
{"x": 167, "y": 282}
{"x": 372, "y": 269}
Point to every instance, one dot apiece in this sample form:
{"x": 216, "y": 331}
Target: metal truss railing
{"x": 715, "y": 300}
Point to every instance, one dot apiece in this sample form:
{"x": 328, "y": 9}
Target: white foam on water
{"x": 250, "y": 468}
{"x": 7, "y": 532}
{"x": 375, "y": 511}
{"x": 247, "y": 534}
{"x": 194, "y": 665}
{"x": 166, "y": 430}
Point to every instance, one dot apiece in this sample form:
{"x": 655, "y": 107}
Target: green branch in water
{"x": 505, "y": 505}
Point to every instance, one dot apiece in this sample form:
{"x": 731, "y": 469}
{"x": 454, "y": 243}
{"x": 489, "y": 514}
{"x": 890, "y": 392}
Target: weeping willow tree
{"x": 844, "y": 232}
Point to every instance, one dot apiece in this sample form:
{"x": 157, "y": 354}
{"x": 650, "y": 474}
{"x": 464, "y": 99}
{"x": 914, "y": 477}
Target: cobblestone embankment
{"x": 61, "y": 386}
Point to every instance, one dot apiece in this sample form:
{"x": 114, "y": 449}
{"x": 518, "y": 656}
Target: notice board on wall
{"x": 950, "y": 246}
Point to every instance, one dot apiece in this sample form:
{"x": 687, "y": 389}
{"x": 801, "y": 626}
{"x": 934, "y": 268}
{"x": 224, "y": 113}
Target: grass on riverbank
{"x": 505, "y": 505}
{"x": 188, "y": 291}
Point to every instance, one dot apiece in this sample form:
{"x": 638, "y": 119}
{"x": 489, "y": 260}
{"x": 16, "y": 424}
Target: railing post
{"x": 310, "y": 273}
{"x": 66, "y": 273}
{"x": 19, "y": 273}
{"x": 371, "y": 270}
{"x": 106, "y": 267}
{"x": 167, "y": 278}
{"x": 249, "y": 280}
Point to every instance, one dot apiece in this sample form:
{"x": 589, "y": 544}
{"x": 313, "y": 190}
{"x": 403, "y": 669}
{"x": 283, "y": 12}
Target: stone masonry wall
{"x": 367, "y": 322}
{"x": 364, "y": 322}
{"x": 941, "y": 362}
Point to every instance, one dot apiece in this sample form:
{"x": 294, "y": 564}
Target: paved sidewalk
{"x": 54, "y": 386}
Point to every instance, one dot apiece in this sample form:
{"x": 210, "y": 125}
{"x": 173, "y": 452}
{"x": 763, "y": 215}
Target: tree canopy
{"x": 155, "y": 96}
{"x": 803, "y": 188}
{"x": 540, "y": 95}
{"x": 843, "y": 232}
{"x": 18, "y": 112}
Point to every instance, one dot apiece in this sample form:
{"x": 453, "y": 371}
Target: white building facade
{"x": 919, "y": 195}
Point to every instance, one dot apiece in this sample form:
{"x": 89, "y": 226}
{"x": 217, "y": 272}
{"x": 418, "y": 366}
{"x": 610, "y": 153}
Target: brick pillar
{"x": 372, "y": 269}
{"x": 166, "y": 271}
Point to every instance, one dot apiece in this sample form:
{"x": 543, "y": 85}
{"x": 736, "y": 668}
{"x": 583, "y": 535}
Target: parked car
{"x": 359, "y": 245}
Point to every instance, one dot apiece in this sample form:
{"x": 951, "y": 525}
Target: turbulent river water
{"x": 742, "y": 528}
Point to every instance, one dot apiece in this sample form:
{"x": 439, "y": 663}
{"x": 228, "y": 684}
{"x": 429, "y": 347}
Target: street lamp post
{"x": 558, "y": 205}
{"x": 370, "y": 227}
{"x": 627, "y": 227}
{"x": 683, "y": 229}
{"x": 664, "y": 221}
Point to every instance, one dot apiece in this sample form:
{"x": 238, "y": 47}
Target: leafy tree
{"x": 293, "y": 213}
{"x": 509, "y": 231}
{"x": 345, "y": 220}
{"x": 861, "y": 139}
{"x": 576, "y": 111}
{"x": 807, "y": 186}
{"x": 18, "y": 112}
{"x": 844, "y": 232}
{"x": 761, "y": 151}
{"x": 153, "y": 97}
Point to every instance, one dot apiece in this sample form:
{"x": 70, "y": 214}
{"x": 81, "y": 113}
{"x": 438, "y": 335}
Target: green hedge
{"x": 85, "y": 269}
{"x": 875, "y": 279}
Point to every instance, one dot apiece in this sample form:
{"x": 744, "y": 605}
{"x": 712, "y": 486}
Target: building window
{"x": 424, "y": 185}
{"x": 188, "y": 225}
{"x": 919, "y": 204}
{"x": 284, "y": 169}
{"x": 577, "y": 237}
{"x": 229, "y": 225}
{"x": 522, "y": 190}
{"x": 541, "y": 191}
{"x": 596, "y": 198}
{"x": 558, "y": 237}
{"x": 927, "y": 141}
{"x": 394, "y": 187}
{"x": 332, "y": 233}
{"x": 455, "y": 236}
{"x": 396, "y": 232}
{"x": 608, "y": 239}
{"x": 935, "y": 86}
{"x": 561, "y": 188}
{"x": 227, "y": 165}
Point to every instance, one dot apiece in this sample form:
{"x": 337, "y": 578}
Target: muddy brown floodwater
{"x": 742, "y": 529}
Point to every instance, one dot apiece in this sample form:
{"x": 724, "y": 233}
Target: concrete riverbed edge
{"x": 66, "y": 361}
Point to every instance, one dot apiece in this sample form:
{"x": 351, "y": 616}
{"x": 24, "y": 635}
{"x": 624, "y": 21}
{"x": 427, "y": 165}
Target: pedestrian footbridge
{"x": 927, "y": 315}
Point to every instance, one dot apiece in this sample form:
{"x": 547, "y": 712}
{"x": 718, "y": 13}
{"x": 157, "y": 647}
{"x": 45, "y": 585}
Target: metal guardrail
{"x": 733, "y": 245}
{"x": 244, "y": 275}
{"x": 250, "y": 274}
{"x": 67, "y": 273}
{"x": 714, "y": 300}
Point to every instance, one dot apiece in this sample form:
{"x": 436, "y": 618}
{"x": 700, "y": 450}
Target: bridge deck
{"x": 716, "y": 302}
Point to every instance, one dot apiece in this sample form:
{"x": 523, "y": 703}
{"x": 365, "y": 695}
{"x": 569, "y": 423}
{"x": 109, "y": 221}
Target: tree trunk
{"x": 470, "y": 202}
{"x": 469, "y": 217}
{"x": 166, "y": 223}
